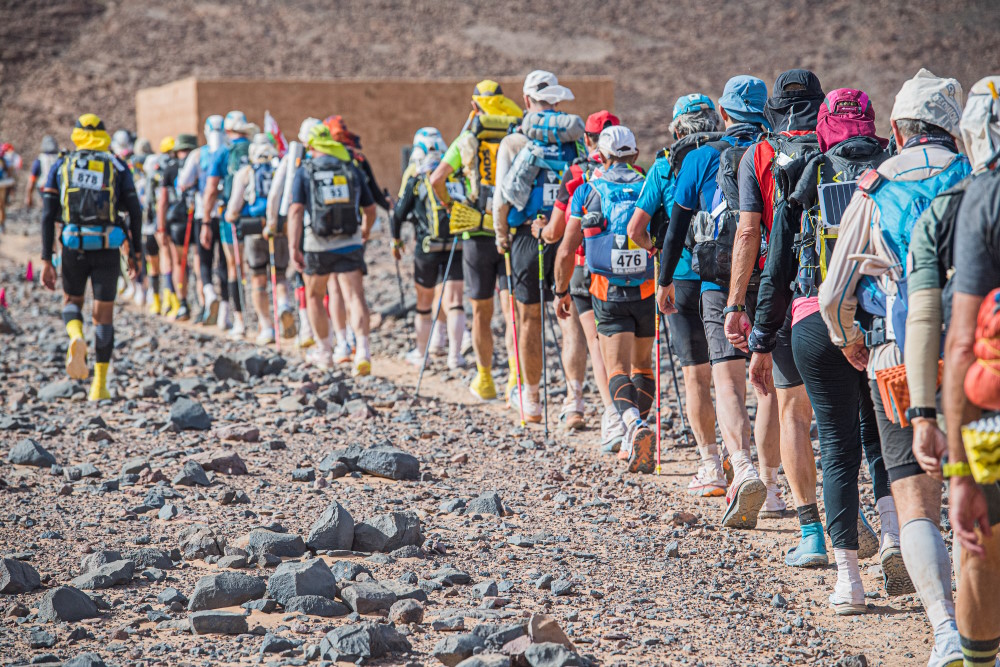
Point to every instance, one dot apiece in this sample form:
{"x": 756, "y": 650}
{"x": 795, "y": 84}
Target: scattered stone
{"x": 779, "y": 601}
{"x": 226, "y": 589}
{"x": 191, "y": 474}
{"x": 346, "y": 570}
{"x": 283, "y": 545}
{"x": 542, "y": 628}
{"x": 358, "y": 409}
{"x": 388, "y": 532}
{"x": 186, "y": 414}
{"x": 66, "y": 604}
{"x": 239, "y": 433}
{"x": 455, "y": 648}
{"x": 484, "y": 589}
{"x": 265, "y": 605}
{"x": 234, "y": 562}
{"x": 405, "y": 591}
{"x": 452, "y": 506}
{"x": 87, "y": 659}
{"x": 213, "y": 622}
{"x": 56, "y": 390}
{"x": 551, "y": 655}
{"x": 368, "y": 597}
{"x": 147, "y": 557}
{"x": 199, "y": 541}
{"x": 486, "y": 660}
{"x": 315, "y": 605}
{"x": 291, "y": 404}
{"x": 106, "y": 576}
{"x": 486, "y": 503}
{"x": 562, "y": 587}
{"x": 672, "y": 549}
{"x": 28, "y": 452}
{"x": 17, "y": 577}
{"x": 226, "y": 368}
{"x": 406, "y": 611}
{"x": 390, "y": 462}
{"x": 333, "y": 530}
{"x": 355, "y": 643}
{"x": 225, "y": 461}
{"x": 313, "y": 577}
{"x": 168, "y": 596}
{"x": 859, "y": 660}
{"x": 304, "y": 475}
{"x": 39, "y": 638}
{"x": 277, "y": 644}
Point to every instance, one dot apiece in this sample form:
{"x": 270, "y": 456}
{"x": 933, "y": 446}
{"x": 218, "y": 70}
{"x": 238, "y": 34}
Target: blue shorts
{"x": 226, "y": 232}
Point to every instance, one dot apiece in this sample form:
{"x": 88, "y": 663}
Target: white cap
{"x": 236, "y": 121}
{"x": 931, "y": 99}
{"x": 544, "y": 87}
{"x": 305, "y": 127}
{"x": 980, "y": 124}
{"x": 617, "y": 141}
{"x": 261, "y": 149}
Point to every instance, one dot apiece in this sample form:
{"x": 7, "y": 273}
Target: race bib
{"x": 91, "y": 178}
{"x": 549, "y": 193}
{"x": 455, "y": 190}
{"x": 336, "y": 192}
{"x": 627, "y": 262}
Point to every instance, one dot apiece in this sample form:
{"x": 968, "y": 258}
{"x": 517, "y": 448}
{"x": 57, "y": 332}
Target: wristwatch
{"x": 957, "y": 469}
{"x": 734, "y": 309}
{"x": 560, "y": 295}
{"x": 920, "y": 413}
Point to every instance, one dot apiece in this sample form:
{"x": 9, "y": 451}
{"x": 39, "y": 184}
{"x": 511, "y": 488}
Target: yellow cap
{"x": 89, "y": 133}
{"x": 167, "y": 144}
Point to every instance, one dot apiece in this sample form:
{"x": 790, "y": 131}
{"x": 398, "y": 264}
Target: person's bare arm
{"x": 565, "y": 261}
{"x": 236, "y": 200}
{"x": 968, "y": 509}
{"x": 439, "y": 178}
{"x": 638, "y": 229}
{"x": 746, "y": 249}
{"x": 210, "y": 196}
{"x": 161, "y": 209}
{"x": 555, "y": 227}
{"x": 295, "y": 214}
{"x": 367, "y": 221}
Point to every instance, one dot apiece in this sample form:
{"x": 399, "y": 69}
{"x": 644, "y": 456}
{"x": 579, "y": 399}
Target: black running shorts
{"x": 712, "y": 304}
{"x": 325, "y": 263}
{"x": 151, "y": 245}
{"x": 428, "y": 267}
{"x": 483, "y": 267}
{"x": 579, "y": 289}
{"x": 634, "y": 317}
{"x": 258, "y": 254}
{"x": 687, "y": 333}
{"x": 524, "y": 264}
{"x": 101, "y": 267}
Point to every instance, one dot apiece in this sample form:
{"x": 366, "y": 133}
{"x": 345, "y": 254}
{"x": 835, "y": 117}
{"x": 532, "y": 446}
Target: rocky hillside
{"x": 60, "y": 57}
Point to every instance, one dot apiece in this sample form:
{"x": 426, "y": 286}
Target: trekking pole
{"x": 184, "y": 256}
{"x": 240, "y": 286}
{"x": 513, "y": 328}
{"x": 545, "y": 372}
{"x": 437, "y": 313}
{"x": 659, "y": 404}
{"x": 274, "y": 293}
{"x": 677, "y": 389}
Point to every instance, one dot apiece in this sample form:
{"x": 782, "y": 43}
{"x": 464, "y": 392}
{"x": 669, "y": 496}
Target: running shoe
{"x": 76, "y": 359}
{"x": 774, "y": 506}
{"x": 99, "y": 386}
{"x": 811, "y": 549}
{"x": 482, "y": 386}
{"x": 439, "y": 340}
{"x": 640, "y": 441}
{"x": 414, "y": 358}
{"x": 867, "y": 539}
{"x": 352, "y": 340}
{"x": 744, "y": 499}
{"x": 287, "y": 321}
{"x": 237, "y": 331}
{"x": 897, "y": 579}
{"x": 155, "y": 305}
{"x": 362, "y": 366}
{"x": 848, "y": 602}
{"x": 456, "y": 362}
{"x": 466, "y": 341}
{"x": 183, "y": 313}
{"x": 947, "y": 651}
{"x": 319, "y": 357}
{"x": 265, "y": 337}
{"x": 224, "y": 320}
{"x": 304, "y": 338}
{"x": 210, "y": 314}
{"x": 727, "y": 467}
{"x": 708, "y": 482}
{"x": 571, "y": 414}
{"x": 342, "y": 353}
{"x": 612, "y": 430}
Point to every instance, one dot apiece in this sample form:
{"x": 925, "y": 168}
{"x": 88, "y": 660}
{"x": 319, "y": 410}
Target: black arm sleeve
{"x": 50, "y": 213}
{"x": 403, "y": 207}
{"x": 775, "y": 292}
{"x": 673, "y": 243}
{"x": 128, "y": 201}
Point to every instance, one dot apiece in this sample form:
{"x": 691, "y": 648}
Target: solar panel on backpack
{"x": 833, "y": 200}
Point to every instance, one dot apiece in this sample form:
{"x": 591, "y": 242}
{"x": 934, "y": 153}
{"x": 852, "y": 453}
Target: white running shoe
{"x": 744, "y": 499}
{"x": 439, "y": 341}
{"x": 612, "y": 430}
{"x": 224, "y": 320}
{"x": 265, "y": 337}
{"x": 139, "y": 294}
{"x": 848, "y": 600}
{"x": 352, "y": 340}
{"x": 319, "y": 357}
{"x": 362, "y": 365}
{"x": 414, "y": 358}
{"x": 287, "y": 320}
{"x": 709, "y": 481}
{"x": 456, "y": 362}
{"x": 466, "y": 341}
{"x": 774, "y": 506}
{"x": 237, "y": 331}
{"x": 342, "y": 353}
{"x": 947, "y": 651}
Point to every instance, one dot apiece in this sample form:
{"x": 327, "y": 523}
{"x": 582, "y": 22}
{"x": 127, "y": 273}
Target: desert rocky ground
{"x": 493, "y": 540}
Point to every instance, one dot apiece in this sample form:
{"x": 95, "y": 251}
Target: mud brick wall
{"x": 385, "y": 113}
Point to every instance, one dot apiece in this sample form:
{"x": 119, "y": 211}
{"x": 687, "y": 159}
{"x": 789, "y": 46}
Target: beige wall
{"x": 384, "y": 113}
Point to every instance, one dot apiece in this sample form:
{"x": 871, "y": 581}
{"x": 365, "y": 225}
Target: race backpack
{"x": 679, "y": 150}
{"x": 610, "y": 252}
{"x": 255, "y": 195}
{"x": 45, "y": 163}
{"x": 478, "y": 150}
{"x": 438, "y": 221}
{"x": 899, "y": 203}
{"x": 335, "y": 194}
{"x": 532, "y": 182}
{"x": 789, "y": 151}
{"x": 87, "y": 198}
{"x": 239, "y": 157}
{"x": 714, "y": 232}
{"x": 824, "y": 190}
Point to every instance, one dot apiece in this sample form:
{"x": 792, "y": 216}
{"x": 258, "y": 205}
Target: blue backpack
{"x": 900, "y": 203}
{"x": 609, "y": 250}
{"x": 553, "y": 147}
{"x": 262, "y": 175}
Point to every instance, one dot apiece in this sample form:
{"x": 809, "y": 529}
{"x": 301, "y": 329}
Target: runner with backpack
{"x": 174, "y": 215}
{"x": 157, "y": 255}
{"x": 474, "y": 152}
{"x": 572, "y": 277}
{"x": 868, "y": 269}
{"x": 803, "y": 234}
{"x": 329, "y": 219}
{"x": 530, "y": 165}
{"x": 622, "y": 287}
{"x": 246, "y": 211}
{"x": 763, "y": 178}
{"x": 695, "y": 123}
{"x": 40, "y": 168}
{"x": 90, "y": 191}
{"x": 434, "y": 263}
{"x": 706, "y": 198}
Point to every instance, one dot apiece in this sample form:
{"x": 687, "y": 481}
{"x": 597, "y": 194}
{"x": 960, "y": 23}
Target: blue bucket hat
{"x": 691, "y": 103}
{"x": 744, "y": 99}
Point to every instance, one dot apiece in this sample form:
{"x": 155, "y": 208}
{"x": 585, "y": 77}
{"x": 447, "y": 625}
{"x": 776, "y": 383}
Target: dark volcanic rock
{"x": 455, "y": 648}
{"x": 226, "y": 589}
{"x": 333, "y": 530}
{"x": 106, "y": 576}
{"x": 214, "y": 622}
{"x": 387, "y": 461}
{"x": 388, "y": 532}
{"x": 316, "y": 605}
{"x": 283, "y": 545}
{"x": 368, "y": 597}
{"x": 313, "y": 577}
{"x": 17, "y": 577}
{"x": 186, "y": 414}
{"x": 352, "y": 643}
{"x": 28, "y": 452}
{"x": 66, "y": 604}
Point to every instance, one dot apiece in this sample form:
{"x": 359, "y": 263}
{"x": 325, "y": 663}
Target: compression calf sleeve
{"x": 808, "y": 514}
{"x": 979, "y": 652}
{"x": 154, "y": 282}
{"x": 456, "y": 327}
{"x": 73, "y": 319}
{"x": 623, "y": 393}
{"x": 926, "y": 558}
{"x": 168, "y": 279}
{"x": 234, "y": 292}
{"x": 104, "y": 338}
{"x": 645, "y": 387}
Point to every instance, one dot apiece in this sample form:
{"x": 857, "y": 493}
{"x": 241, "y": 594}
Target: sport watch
{"x": 560, "y": 295}
{"x": 734, "y": 309}
{"x": 920, "y": 413}
{"x": 957, "y": 469}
